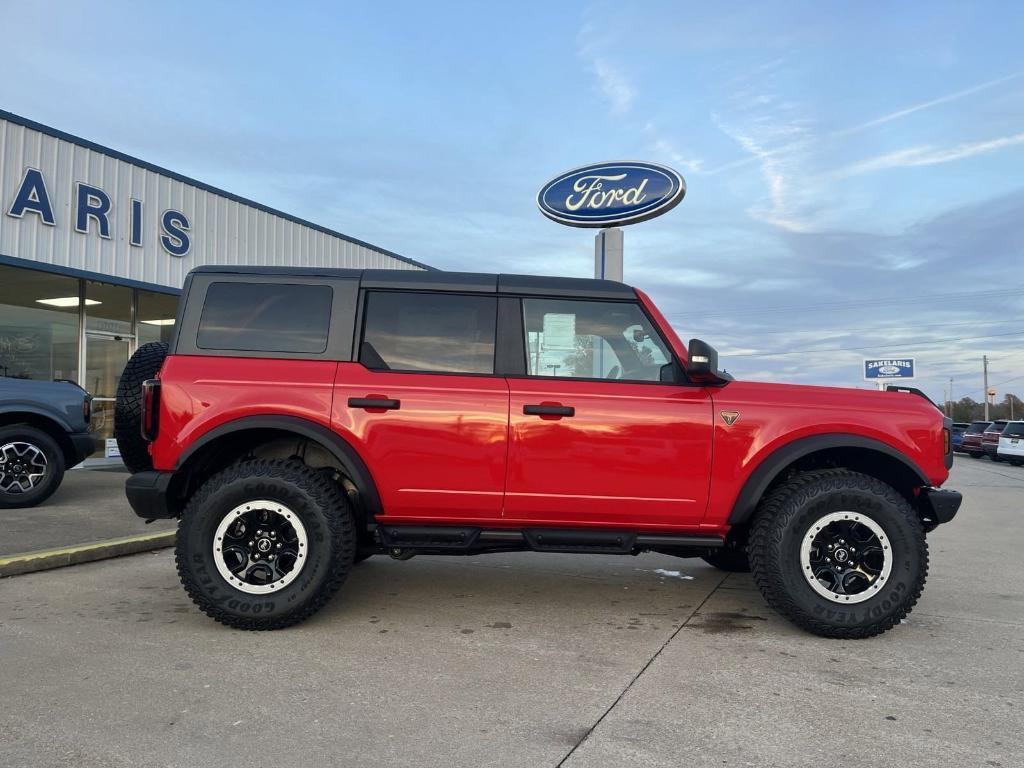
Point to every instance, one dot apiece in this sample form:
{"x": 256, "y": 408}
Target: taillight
{"x": 87, "y": 409}
{"x": 150, "y": 409}
{"x": 945, "y": 441}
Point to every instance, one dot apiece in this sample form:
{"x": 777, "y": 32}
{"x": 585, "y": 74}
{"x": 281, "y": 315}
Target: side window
{"x": 592, "y": 340}
{"x": 266, "y": 317}
{"x": 433, "y": 332}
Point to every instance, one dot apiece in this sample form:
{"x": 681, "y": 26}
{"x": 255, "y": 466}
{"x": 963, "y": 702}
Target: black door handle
{"x": 549, "y": 410}
{"x": 374, "y": 402}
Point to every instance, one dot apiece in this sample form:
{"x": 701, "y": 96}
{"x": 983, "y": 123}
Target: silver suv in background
{"x": 44, "y": 429}
{"x": 1011, "y": 443}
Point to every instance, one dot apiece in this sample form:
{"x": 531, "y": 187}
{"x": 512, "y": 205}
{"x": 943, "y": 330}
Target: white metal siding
{"x": 223, "y": 231}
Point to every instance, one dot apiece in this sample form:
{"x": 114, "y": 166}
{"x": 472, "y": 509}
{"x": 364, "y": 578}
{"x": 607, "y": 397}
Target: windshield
{"x": 978, "y": 427}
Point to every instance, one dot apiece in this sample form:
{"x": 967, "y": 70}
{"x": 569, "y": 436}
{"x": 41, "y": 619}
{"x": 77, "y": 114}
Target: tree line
{"x": 967, "y": 409}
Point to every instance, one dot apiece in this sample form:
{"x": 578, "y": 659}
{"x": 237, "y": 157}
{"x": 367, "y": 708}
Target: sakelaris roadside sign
{"x": 611, "y": 194}
{"x": 884, "y": 369}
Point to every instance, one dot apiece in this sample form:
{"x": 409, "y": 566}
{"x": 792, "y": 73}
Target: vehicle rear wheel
{"x": 1017, "y": 462}
{"x": 839, "y": 553}
{"x": 728, "y": 559}
{"x": 265, "y": 544}
{"x": 31, "y": 466}
{"x": 143, "y": 365}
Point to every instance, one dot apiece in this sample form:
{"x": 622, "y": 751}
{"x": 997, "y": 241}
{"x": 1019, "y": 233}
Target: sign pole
{"x": 608, "y": 254}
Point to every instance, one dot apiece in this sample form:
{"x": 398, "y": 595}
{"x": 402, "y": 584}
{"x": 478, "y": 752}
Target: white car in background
{"x": 1011, "y": 443}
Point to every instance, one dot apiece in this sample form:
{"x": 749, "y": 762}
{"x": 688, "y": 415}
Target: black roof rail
{"x": 910, "y": 391}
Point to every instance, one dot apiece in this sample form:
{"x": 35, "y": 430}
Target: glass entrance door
{"x": 105, "y": 359}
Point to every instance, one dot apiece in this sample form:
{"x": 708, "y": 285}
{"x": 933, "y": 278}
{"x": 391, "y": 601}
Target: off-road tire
{"x": 325, "y": 513}
{"x": 52, "y": 476}
{"x": 729, "y": 559}
{"x": 786, "y": 515}
{"x": 144, "y": 364}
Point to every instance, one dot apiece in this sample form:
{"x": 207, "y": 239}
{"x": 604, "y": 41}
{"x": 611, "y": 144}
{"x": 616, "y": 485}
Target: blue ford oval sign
{"x": 611, "y": 194}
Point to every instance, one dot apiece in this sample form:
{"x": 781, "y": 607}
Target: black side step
{"x": 441, "y": 539}
{"x": 429, "y": 537}
{"x": 606, "y": 542}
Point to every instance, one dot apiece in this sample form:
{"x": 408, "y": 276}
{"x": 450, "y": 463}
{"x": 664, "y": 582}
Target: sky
{"x": 855, "y": 171}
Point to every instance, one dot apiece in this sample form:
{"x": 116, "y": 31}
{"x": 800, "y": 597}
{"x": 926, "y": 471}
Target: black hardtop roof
{"x": 436, "y": 280}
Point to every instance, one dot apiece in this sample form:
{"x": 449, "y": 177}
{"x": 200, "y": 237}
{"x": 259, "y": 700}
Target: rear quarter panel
{"x": 200, "y": 393}
{"x": 773, "y": 415}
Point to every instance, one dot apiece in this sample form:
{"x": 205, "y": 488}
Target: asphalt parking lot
{"x": 523, "y": 660}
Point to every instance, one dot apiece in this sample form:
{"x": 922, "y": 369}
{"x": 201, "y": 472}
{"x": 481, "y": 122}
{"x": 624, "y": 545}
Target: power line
{"x": 834, "y": 305}
{"x": 874, "y": 347}
{"x": 889, "y": 329}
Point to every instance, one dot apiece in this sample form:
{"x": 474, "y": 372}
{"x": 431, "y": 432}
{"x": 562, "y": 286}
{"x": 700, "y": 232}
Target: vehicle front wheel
{"x": 839, "y": 553}
{"x": 31, "y": 466}
{"x": 727, "y": 559}
{"x": 265, "y": 544}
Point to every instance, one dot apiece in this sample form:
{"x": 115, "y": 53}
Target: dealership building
{"x": 95, "y": 246}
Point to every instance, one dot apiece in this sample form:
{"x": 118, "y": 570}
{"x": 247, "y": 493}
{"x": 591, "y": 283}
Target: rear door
{"x": 596, "y": 437}
{"x": 424, "y": 406}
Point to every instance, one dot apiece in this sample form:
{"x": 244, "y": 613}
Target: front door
{"x": 424, "y": 407}
{"x": 105, "y": 359}
{"x": 595, "y": 436}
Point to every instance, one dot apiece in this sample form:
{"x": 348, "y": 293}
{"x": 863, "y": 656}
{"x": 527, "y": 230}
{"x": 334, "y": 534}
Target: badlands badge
{"x": 729, "y": 417}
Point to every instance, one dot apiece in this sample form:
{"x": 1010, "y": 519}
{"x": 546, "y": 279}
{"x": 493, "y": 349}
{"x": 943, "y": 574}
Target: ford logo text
{"x": 611, "y": 194}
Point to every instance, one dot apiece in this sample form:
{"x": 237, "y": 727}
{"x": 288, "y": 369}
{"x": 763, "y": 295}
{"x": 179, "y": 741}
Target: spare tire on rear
{"x": 144, "y": 364}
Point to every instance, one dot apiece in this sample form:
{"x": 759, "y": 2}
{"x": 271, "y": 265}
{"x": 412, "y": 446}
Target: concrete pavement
{"x": 89, "y": 506}
{"x": 523, "y": 660}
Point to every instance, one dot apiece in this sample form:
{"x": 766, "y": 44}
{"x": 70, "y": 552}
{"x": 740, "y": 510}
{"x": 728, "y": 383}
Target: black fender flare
{"x": 335, "y": 444}
{"x": 770, "y": 467}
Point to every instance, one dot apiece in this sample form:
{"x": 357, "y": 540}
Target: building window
{"x": 38, "y": 324}
{"x": 108, "y": 309}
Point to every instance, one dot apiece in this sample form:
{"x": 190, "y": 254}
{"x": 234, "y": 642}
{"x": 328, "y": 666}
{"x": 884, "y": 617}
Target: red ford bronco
{"x": 303, "y": 420}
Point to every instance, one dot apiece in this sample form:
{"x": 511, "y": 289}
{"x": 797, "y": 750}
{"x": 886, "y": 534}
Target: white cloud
{"x": 666, "y": 148}
{"x": 927, "y": 155}
{"x": 614, "y": 86}
{"x": 899, "y": 113}
{"x": 784, "y": 208}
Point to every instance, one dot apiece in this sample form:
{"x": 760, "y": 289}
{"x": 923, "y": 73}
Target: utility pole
{"x": 984, "y": 365}
{"x": 951, "y": 400}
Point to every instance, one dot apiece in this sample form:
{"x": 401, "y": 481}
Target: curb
{"x": 45, "y": 559}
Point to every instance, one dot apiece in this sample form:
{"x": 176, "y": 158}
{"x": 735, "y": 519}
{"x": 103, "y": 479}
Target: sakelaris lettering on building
{"x": 92, "y": 210}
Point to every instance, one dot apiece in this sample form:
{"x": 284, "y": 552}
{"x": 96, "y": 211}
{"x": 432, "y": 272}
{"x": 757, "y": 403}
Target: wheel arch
{"x": 46, "y": 423}
{"x": 234, "y": 438}
{"x": 855, "y": 452}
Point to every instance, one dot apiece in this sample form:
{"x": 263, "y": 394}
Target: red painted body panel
{"x": 633, "y": 454}
{"x": 198, "y": 394}
{"x": 441, "y": 455}
{"x": 772, "y": 415}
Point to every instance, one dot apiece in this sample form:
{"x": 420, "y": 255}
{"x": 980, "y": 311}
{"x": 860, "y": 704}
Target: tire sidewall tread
{"x": 324, "y": 512}
{"x": 55, "y": 465}
{"x": 783, "y": 519}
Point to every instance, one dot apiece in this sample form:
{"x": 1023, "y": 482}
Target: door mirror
{"x": 702, "y": 365}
